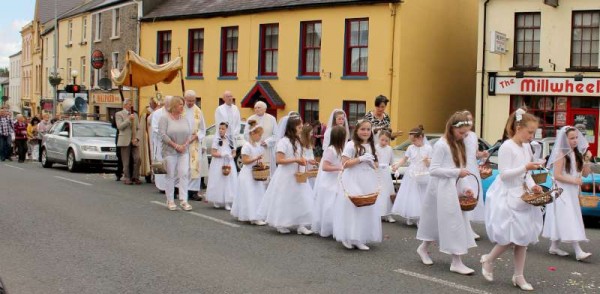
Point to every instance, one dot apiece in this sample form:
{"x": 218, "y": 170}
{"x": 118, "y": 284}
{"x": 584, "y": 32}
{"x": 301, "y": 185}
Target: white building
{"x": 542, "y": 54}
{"x": 15, "y": 82}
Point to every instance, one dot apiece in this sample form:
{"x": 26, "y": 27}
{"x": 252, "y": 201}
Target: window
{"x": 527, "y": 40}
{"x": 114, "y": 60}
{"x": 70, "y": 33}
{"x": 310, "y": 62}
{"x": 229, "y": 51}
{"x": 269, "y": 44}
{"x": 357, "y": 47}
{"x": 585, "y": 38}
{"x": 164, "y": 47}
{"x": 309, "y": 110}
{"x": 69, "y": 69}
{"x": 82, "y": 72}
{"x": 84, "y": 29}
{"x": 550, "y": 110}
{"x": 196, "y": 52}
{"x": 116, "y": 23}
{"x": 98, "y": 28}
{"x": 355, "y": 110}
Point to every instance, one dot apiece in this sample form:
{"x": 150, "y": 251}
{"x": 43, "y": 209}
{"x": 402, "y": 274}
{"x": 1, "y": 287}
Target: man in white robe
{"x": 159, "y": 180}
{"x": 194, "y": 116}
{"x": 269, "y": 138}
{"x": 229, "y": 113}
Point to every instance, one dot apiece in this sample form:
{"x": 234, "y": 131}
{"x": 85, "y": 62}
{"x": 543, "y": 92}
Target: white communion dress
{"x": 385, "y": 159}
{"x": 414, "y": 183}
{"x": 472, "y": 146}
{"x": 221, "y": 189}
{"x": 327, "y": 189}
{"x": 250, "y": 192}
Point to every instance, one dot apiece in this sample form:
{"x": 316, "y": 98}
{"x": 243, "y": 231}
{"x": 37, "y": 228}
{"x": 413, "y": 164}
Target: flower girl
{"x": 415, "y": 180}
{"x": 327, "y": 187}
{"x": 337, "y": 118}
{"x": 250, "y": 191}
{"x": 386, "y": 159}
{"x": 356, "y": 226}
{"x": 287, "y": 203}
{"x": 222, "y": 188}
{"x": 306, "y": 139}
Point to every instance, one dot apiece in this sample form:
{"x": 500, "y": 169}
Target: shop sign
{"x": 546, "y": 86}
{"x": 498, "y": 44}
{"x": 106, "y": 98}
{"x": 97, "y": 59}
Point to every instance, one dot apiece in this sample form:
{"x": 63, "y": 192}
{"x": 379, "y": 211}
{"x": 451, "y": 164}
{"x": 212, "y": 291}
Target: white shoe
{"x": 558, "y": 251}
{"x": 283, "y": 230}
{"x": 525, "y": 287}
{"x": 476, "y": 237}
{"x": 390, "y": 219}
{"x": 216, "y": 205}
{"x": 461, "y": 269}
{"x": 347, "y": 245}
{"x": 583, "y": 255}
{"x": 424, "y": 255}
{"x": 227, "y": 207}
{"x": 409, "y": 222}
{"x": 259, "y": 223}
{"x": 302, "y": 230}
{"x": 362, "y": 247}
{"x": 488, "y": 276}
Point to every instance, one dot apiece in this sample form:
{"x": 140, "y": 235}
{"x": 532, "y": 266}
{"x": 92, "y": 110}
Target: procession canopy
{"x": 139, "y": 72}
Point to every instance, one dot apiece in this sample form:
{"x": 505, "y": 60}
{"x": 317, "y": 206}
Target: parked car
{"x": 239, "y": 142}
{"x": 79, "y": 143}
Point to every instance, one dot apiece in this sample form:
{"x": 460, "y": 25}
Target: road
{"x": 86, "y": 233}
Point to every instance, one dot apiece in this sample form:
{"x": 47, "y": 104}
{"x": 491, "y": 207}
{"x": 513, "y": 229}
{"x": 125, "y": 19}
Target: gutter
{"x": 481, "y": 108}
{"x": 393, "y": 13}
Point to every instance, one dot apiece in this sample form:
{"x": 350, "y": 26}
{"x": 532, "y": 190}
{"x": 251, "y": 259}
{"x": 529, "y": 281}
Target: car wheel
{"x": 71, "y": 163}
{"x": 45, "y": 162}
{"x": 238, "y": 159}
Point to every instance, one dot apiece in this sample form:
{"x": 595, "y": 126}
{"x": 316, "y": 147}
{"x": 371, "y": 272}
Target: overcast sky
{"x": 14, "y": 16}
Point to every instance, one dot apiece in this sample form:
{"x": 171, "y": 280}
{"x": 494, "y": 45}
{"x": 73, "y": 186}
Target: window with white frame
{"x": 116, "y": 23}
{"x": 98, "y": 27}
{"x": 84, "y": 29}
{"x": 115, "y": 60}
{"x": 70, "y": 33}
{"x": 69, "y": 67}
{"x": 82, "y": 72}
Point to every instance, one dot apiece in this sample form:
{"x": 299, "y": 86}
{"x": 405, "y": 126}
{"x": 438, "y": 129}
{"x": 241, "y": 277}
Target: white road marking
{"x": 14, "y": 166}
{"x": 441, "y": 282}
{"x": 74, "y": 181}
{"x": 203, "y": 216}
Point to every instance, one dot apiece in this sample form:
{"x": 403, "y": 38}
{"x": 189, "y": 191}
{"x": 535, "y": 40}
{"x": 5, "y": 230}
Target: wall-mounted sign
{"x": 106, "y": 98}
{"x": 498, "y": 42}
{"x": 553, "y": 3}
{"x": 97, "y": 59}
{"x": 546, "y": 86}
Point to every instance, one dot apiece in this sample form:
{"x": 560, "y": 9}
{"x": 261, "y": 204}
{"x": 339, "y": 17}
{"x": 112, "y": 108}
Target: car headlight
{"x": 89, "y": 148}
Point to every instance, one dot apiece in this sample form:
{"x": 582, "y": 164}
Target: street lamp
{"x": 74, "y": 74}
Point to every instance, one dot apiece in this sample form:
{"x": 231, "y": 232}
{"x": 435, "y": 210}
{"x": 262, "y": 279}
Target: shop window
{"x": 527, "y": 40}
{"x": 585, "y": 102}
{"x": 585, "y": 39}
{"x": 309, "y": 110}
{"x": 552, "y": 111}
{"x": 164, "y": 47}
{"x": 269, "y": 49}
{"x": 196, "y": 52}
{"x": 357, "y": 47}
{"x": 310, "y": 62}
{"x": 229, "y": 51}
{"x": 355, "y": 110}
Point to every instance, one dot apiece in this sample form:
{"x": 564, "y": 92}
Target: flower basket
{"x": 226, "y": 170}
{"x": 261, "y": 172}
{"x": 540, "y": 177}
{"x": 54, "y": 80}
{"x": 468, "y": 203}
{"x": 361, "y": 200}
{"x": 589, "y": 201}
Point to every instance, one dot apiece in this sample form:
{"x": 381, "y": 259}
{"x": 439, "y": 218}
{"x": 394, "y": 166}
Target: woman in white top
{"x": 563, "y": 222}
{"x": 510, "y": 222}
{"x": 442, "y": 219}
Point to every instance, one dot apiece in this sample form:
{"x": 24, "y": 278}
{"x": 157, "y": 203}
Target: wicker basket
{"x": 468, "y": 203}
{"x": 540, "y": 177}
{"x": 361, "y": 200}
{"x": 301, "y": 177}
{"x": 543, "y": 198}
{"x": 261, "y": 172}
{"x": 485, "y": 171}
{"x": 226, "y": 170}
{"x": 590, "y": 201}
{"x": 312, "y": 173}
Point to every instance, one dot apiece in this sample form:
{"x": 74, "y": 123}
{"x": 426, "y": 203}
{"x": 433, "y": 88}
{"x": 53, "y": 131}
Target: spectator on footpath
{"x": 32, "y": 138}
{"x": 43, "y": 128}
{"x": 20, "y": 128}
{"x": 128, "y": 142}
{"x": 6, "y": 131}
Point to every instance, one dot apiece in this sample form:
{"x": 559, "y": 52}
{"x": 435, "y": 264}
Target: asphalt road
{"x": 86, "y": 233}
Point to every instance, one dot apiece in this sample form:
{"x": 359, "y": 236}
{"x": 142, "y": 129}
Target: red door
{"x": 586, "y": 120}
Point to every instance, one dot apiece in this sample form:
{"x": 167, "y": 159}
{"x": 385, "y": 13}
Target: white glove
{"x": 397, "y": 173}
{"x": 367, "y": 157}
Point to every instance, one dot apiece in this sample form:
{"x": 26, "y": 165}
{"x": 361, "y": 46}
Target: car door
{"x": 62, "y": 141}
{"x": 50, "y": 145}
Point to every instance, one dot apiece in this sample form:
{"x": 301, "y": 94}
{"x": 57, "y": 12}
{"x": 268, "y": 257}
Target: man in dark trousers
{"x": 119, "y": 172}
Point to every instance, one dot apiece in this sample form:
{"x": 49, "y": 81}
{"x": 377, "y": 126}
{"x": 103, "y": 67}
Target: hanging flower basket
{"x": 54, "y": 80}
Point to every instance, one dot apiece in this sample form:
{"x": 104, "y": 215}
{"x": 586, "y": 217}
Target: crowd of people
{"x": 22, "y": 136}
{"x": 347, "y": 192}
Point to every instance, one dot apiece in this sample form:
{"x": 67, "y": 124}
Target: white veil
{"x": 561, "y": 145}
{"x": 327, "y": 135}
{"x": 282, "y": 124}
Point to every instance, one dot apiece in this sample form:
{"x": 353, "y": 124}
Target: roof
{"x": 91, "y": 5}
{"x": 44, "y": 9}
{"x": 181, "y": 9}
{"x": 18, "y": 53}
{"x": 263, "y": 91}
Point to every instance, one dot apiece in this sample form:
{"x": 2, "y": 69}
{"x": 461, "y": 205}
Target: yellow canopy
{"x": 145, "y": 73}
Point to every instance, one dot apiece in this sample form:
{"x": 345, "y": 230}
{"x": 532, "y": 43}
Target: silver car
{"x": 80, "y": 143}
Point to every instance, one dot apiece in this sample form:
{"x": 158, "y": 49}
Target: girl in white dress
{"x": 564, "y": 222}
{"x": 221, "y": 188}
{"x": 386, "y": 159}
{"x": 336, "y": 118}
{"x": 442, "y": 219}
{"x": 415, "y": 180}
{"x": 510, "y": 222}
{"x": 307, "y": 145}
{"x": 327, "y": 187}
{"x": 287, "y": 203}
{"x": 250, "y": 191}
{"x": 356, "y": 226}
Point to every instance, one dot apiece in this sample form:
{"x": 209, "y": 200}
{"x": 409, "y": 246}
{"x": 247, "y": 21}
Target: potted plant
{"x": 54, "y": 79}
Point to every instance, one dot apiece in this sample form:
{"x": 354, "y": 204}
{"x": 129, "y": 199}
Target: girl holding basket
{"x": 222, "y": 186}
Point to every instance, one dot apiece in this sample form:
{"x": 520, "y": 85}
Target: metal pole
{"x": 55, "y": 56}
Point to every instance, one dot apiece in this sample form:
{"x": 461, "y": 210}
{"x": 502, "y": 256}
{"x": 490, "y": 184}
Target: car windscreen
{"x": 93, "y": 130}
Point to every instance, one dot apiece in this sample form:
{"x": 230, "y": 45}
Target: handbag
{"x": 159, "y": 167}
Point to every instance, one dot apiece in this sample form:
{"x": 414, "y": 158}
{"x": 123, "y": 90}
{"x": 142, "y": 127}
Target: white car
{"x": 239, "y": 142}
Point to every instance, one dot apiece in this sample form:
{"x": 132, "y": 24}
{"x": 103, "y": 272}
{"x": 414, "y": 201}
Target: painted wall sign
{"x": 547, "y": 86}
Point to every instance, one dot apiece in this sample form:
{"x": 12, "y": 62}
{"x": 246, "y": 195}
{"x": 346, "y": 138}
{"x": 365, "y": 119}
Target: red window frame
{"x": 527, "y": 48}
{"x": 164, "y": 47}
{"x": 229, "y": 49}
{"x": 309, "y": 110}
{"x": 269, "y": 49}
{"x": 353, "y": 111}
{"x": 585, "y": 39}
{"x": 309, "y": 45}
{"x": 363, "y": 68}
{"x": 196, "y": 50}
{"x": 546, "y": 108}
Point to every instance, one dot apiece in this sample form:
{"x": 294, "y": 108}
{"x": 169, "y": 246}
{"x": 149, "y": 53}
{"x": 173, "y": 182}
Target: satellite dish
{"x": 105, "y": 84}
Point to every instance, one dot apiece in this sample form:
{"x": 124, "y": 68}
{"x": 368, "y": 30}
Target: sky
{"x": 13, "y": 17}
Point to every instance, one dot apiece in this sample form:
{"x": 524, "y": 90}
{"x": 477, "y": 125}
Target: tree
{"x": 3, "y": 71}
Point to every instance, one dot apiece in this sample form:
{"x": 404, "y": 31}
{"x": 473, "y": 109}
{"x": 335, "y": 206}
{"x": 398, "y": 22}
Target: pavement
{"x": 86, "y": 233}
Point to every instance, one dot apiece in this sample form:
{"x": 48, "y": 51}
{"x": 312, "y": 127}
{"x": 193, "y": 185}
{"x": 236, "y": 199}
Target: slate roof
{"x": 44, "y": 9}
{"x": 181, "y": 9}
{"x": 264, "y": 87}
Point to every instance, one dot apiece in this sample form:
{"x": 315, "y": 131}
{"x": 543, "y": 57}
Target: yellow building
{"x": 541, "y": 56}
{"x": 314, "y": 58}
{"x": 27, "y": 102}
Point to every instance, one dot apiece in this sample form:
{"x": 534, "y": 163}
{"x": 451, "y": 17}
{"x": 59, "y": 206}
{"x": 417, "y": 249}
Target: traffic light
{"x": 72, "y": 88}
